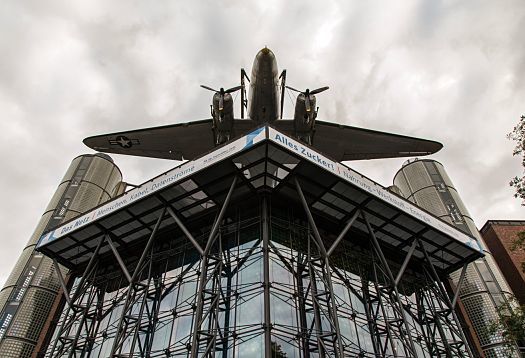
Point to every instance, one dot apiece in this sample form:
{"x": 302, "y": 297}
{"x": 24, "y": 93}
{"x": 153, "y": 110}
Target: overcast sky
{"x": 450, "y": 71}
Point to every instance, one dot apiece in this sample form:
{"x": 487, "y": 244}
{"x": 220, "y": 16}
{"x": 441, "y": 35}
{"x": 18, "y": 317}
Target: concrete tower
{"x": 426, "y": 183}
{"x": 32, "y": 286}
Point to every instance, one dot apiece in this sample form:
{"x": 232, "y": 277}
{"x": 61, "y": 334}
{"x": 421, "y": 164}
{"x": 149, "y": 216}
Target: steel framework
{"x": 267, "y": 283}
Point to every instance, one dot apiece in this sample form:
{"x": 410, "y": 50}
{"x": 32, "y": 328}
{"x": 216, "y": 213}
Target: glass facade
{"x": 262, "y": 288}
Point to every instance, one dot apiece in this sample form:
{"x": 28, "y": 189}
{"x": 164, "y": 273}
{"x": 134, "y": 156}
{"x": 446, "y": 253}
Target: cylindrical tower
{"x": 30, "y": 290}
{"x": 426, "y": 183}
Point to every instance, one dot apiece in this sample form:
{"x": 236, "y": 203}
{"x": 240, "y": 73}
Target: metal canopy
{"x": 264, "y": 160}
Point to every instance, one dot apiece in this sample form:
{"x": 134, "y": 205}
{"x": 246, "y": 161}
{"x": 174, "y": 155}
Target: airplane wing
{"x": 190, "y": 140}
{"x": 177, "y": 141}
{"x": 343, "y": 143}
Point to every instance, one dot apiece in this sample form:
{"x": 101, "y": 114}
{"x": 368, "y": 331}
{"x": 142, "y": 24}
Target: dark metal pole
{"x": 315, "y": 305}
{"x": 62, "y": 282}
{"x": 444, "y": 294}
{"x": 219, "y": 218}
{"x": 381, "y": 306}
{"x": 131, "y": 279}
{"x": 243, "y": 93}
{"x": 283, "y": 88}
{"x": 343, "y": 233}
{"x": 405, "y": 262}
{"x": 119, "y": 259}
{"x": 148, "y": 245}
{"x": 266, "y": 260}
{"x": 204, "y": 272}
{"x": 90, "y": 264}
{"x": 70, "y": 319}
{"x": 84, "y": 313}
{"x": 310, "y": 218}
{"x": 324, "y": 255}
{"x": 340, "y": 350}
{"x": 460, "y": 283}
{"x": 391, "y": 277}
{"x": 185, "y": 231}
{"x": 370, "y": 319}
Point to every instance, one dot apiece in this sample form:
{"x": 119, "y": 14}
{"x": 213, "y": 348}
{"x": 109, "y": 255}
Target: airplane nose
{"x": 265, "y": 52}
{"x": 265, "y": 60}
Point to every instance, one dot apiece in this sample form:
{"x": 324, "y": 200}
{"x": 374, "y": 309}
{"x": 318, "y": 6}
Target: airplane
{"x": 186, "y": 141}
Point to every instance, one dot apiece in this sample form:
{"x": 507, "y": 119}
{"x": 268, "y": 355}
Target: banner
{"x": 171, "y": 177}
{"x": 370, "y": 187}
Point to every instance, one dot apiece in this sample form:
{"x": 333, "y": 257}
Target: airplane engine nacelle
{"x": 227, "y": 106}
{"x": 222, "y": 114}
{"x": 304, "y": 119}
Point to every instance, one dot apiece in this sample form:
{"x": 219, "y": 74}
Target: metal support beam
{"x": 76, "y": 318}
{"x": 460, "y": 283}
{"x": 377, "y": 248}
{"x": 388, "y": 271}
{"x": 405, "y": 263}
{"x": 119, "y": 259}
{"x": 371, "y": 320}
{"x": 441, "y": 332}
{"x": 321, "y": 334}
{"x": 133, "y": 293}
{"x": 219, "y": 218}
{"x": 82, "y": 322}
{"x": 244, "y": 101}
{"x": 443, "y": 293}
{"x": 204, "y": 273}
{"x": 186, "y": 231}
{"x": 282, "y": 77}
{"x": 326, "y": 271}
{"x": 266, "y": 275}
{"x": 349, "y": 223}
{"x": 148, "y": 245}
{"x": 62, "y": 282}
{"x": 311, "y": 221}
{"x": 384, "y": 306}
{"x": 433, "y": 271}
{"x": 89, "y": 266}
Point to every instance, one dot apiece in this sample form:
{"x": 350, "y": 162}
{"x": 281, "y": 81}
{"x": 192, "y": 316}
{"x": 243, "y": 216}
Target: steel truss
{"x": 388, "y": 314}
{"x": 422, "y": 324}
{"x": 79, "y": 316}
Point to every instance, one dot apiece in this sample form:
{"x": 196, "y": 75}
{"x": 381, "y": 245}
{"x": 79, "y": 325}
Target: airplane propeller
{"x": 221, "y": 92}
{"x": 307, "y": 94}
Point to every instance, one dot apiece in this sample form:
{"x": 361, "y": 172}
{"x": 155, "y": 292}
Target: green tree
{"x": 277, "y": 352}
{"x": 519, "y": 243}
{"x": 518, "y": 135}
{"x": 518, "y": 182}
{"x": 511, "y": 322}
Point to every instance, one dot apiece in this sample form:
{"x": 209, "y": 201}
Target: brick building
{"x": 499, "y": 236}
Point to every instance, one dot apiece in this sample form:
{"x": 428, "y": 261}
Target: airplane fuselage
{"x": 264, "y": 97}
{"x": 264, "y": 105}
{"x": 264, "y": 88}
